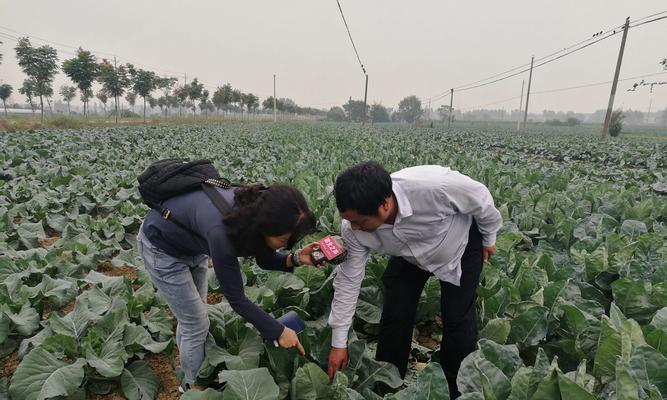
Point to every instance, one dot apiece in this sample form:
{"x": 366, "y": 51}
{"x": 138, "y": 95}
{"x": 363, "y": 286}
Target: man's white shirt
{"x": 436, "y": 206}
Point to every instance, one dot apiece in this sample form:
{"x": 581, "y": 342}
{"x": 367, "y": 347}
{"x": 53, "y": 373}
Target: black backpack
{"x": 165, "y": 179}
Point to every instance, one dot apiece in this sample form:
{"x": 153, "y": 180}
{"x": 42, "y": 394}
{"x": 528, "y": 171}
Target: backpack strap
{"x": 216, "y": 198}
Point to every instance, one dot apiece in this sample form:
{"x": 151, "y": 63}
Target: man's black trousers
{"x": 403, "y": 284}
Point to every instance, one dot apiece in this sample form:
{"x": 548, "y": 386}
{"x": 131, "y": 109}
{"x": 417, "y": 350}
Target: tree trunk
{"x": 116, "y": 105}
{"x": 144, "y": 110}
{"x": 69, "y": 109}
{"x": 5, "y": 105}
{"x": 41, "y": 106}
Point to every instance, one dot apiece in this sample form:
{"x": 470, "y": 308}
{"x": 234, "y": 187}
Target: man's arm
{"x": 347, "y": 283}
{"x": 467, "y": 196}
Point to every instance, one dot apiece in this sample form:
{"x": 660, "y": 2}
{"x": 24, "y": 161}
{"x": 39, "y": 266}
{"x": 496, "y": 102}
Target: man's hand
{"x": 338, "y": 360}
{"x": 488, "y": 252}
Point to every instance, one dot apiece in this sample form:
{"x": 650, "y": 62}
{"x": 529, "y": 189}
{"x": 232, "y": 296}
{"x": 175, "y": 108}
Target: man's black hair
{"x": 362, "y": 188}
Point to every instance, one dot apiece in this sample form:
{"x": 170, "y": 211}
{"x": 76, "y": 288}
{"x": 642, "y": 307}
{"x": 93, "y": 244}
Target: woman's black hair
{"x": 273, "y": 211}
{"x": 362, "y": 188}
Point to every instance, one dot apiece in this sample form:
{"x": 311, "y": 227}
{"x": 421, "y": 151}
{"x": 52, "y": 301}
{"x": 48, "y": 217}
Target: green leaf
{"x": 4, "y": 327}
{"x": 310, "y": 383}
{"x": 431, "y": 385}
{"x": 251, "y": 384}
{"x": 110, "y": 361}
{"x": 480, "y": 375}
{"x": 73, "y": 324}
{"x": 156, "y": 320}
{"x": 30, "y": 234}
{"x": 626, "y": 385}
{"x": 505, "y": 357}
{"x": 649, "y": 368}
{"x": 530, "y": 327}
{"x": 41, "y": 376}
{"x": 208, "y": 394}
{"x": 497, "y": 329}
{"x": 371, "y": 371}
{"x": 139, "y": 382}
{"x": 137, "y": 338}
{"x": 26, "y": 321}
{"x": 609, "y": 348}
{"x": 571, "y": 390}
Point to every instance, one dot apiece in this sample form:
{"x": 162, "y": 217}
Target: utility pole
{"x": 275, "y": 115}
{"x": 365, "y": 97}
{"x": 610, "y": 106}
{"x": 451, "y": 104}
{"x": 349, "y": 108}
{"x": 530, "y": 80}
{"x": 518, "y": 120}
{"x": 648, "y": 115}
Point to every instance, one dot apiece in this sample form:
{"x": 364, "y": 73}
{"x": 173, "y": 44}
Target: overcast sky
{"x": 409, "y": 47}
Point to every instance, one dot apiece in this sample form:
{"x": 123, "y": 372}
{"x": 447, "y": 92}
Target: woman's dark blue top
{"x": 196, "y": 211}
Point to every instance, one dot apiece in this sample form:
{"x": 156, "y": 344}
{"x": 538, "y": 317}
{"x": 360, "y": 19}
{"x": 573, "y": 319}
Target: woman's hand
{"x": 305, "y": 256}
{"x": 289, "y": 339}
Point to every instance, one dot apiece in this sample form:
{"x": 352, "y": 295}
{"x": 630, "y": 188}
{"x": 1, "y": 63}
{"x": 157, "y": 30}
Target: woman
{"x": 261, "y": 221}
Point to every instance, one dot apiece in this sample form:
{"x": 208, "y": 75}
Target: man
{"x": 432, "y": 221}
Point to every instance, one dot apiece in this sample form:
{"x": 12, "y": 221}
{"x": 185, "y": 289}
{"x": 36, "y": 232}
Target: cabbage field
{"x": 572, "y": 306}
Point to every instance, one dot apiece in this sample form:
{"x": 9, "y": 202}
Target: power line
{"x": 550, "y": 57}
{"x": 350, "y": 35}
{"x": 178, "y": 74}
{"x": 583, "y": 86}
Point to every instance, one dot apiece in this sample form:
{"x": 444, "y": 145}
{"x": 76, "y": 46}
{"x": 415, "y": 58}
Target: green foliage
{"x": 82, "y": 70}
{"x": 379, "y": 113}
{"x": 40, "y": 64}
{"x": 572, "y": 305}
{"x": 616, "y": 123}
{"x": 336, "y": 114}
{"x": 356, "y": 110}
{"x": 5, "y": 91}
{"x": 410, "y": 109}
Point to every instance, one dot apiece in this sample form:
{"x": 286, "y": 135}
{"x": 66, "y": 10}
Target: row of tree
{"x": 40, "y": 64}
{"x": 409, "y": 110}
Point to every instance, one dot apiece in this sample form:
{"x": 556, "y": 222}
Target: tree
{"x": 616, "y": 123}
{"x": 268, "y": 104}
{"x": 68, "y": 93}
{"x": 355, "y": 110}
{"x": 251, "y": 101}
{"x": 131, "y": 99}
{"x": 82, "y": 70}
{"x": 143, "y": 83}
{"x": 444, "y": 112}
{"x": 182, "y": 93}
{"x": 103, "y": 97}
{"x": 86, "y": 95}
{"x": 114, "y": 81}
{"x": 222, "y": 97}
{"x": 40, "y": 64}
{"x": 163, "y": 103}
{"x": 28, "y": 89}
{"x": 237, "y": 97}
{"x": 166, "y": 84}
{"x": 379, "y": 113}
{"x": 152, "y": 103}
{"x": 410, "y": 109}
{"x": 5, "y": 91}
{"x": 196, "y": 90}
{"x": 203, "y": 101}
{"x": 336, "y": 114}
